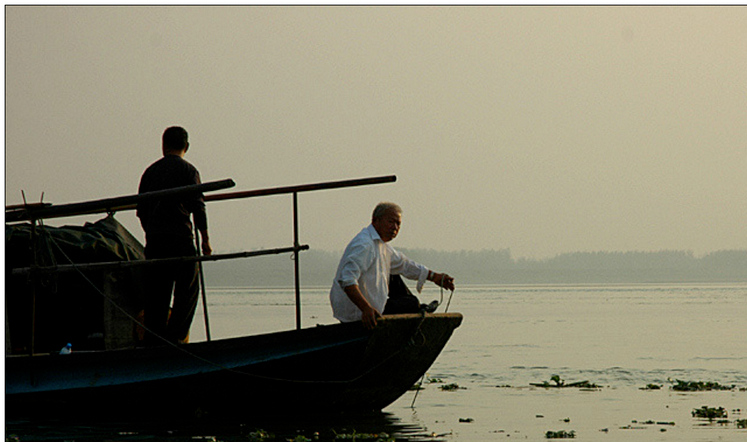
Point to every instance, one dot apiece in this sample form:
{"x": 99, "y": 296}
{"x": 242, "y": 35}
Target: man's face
{"x": 388, "y": 225}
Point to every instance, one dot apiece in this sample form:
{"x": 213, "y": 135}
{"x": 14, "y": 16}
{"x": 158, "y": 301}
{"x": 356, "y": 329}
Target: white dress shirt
{"x": 368, "y": 261}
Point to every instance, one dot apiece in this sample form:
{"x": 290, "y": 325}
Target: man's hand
{"x": 442, "y": 280}
{"x": 207, "y": 250}
{"x": 369, "y": 314}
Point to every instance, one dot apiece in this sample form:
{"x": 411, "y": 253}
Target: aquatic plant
{"x": 560, "y": 383}
{"x": 741, "y": 423}
{"x": 355, "y": 436}
{"x": 450, "y": 387}
{"x": 632, "y": 427}
{"x": 260, "y": 435}
{"x": 419, "y": 385}
{"x": 699, "y": 386}
{"x": 651, "y": 387}
{"x": 652, "y": 422}
{"x": 709, "y": 413}
{"x": 562, "y": 434}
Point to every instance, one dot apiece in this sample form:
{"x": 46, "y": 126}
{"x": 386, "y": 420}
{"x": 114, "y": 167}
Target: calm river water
{"x": 620, "y": 338}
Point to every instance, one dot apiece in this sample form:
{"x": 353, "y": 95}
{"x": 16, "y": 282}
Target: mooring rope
{"x": 449, "y": 302}
{"x": 422, "y": 378}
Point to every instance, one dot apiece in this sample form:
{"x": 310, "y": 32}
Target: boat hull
{"x": 340, "y": 367}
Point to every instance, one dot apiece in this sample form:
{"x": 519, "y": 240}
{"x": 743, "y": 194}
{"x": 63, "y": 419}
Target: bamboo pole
{"x": 106, "y": 205}
{"x": 302, "y": 188}
{"x": 296, "y": 263}
{"x": 18, "y": 213}
{"x": 115, "y": 265}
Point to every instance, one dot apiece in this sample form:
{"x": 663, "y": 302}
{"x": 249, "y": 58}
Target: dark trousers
{"x": 181, "y": 279}
{"x": 401, "y": 300}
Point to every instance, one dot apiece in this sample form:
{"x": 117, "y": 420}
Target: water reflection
{"x": 334, "y": 427}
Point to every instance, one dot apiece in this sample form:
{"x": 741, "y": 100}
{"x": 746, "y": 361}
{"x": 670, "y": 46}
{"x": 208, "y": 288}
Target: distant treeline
{"x": 317, "y": 268}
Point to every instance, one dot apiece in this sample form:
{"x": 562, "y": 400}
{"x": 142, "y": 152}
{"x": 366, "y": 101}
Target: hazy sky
{"x": 539, "y": 129}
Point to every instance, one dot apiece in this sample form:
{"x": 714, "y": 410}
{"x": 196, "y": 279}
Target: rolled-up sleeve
{"x": 356, "y": 261}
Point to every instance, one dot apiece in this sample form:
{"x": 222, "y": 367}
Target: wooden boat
{"x": 340, "y": 367}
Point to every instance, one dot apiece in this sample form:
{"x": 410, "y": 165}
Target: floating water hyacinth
{"x": 562, "y": 434}
{"x": 709, "y": 413}
{"x": 451, "y": 387}
{"x": 355, "y": 436}
{"x": 699, "y": 386}
{"x": 560, "y": 383}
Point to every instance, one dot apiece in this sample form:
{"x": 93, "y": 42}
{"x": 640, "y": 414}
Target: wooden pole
{"x": 106, "y": 205}
{"x": 301, "y": 188}
{"x": 202, "y": 285}
{"x": 25, "y": 212}
{"x": 295, "y": 261}
{"x": 113, "y": 265}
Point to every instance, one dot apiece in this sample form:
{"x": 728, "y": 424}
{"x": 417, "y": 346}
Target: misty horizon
{"x": 689, "y": 253}
{"x": 498, "y": 267}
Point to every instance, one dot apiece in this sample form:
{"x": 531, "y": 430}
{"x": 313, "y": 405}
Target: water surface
{"x": 621, "y": 338}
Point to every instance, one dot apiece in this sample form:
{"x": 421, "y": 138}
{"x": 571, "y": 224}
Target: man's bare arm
{"x": 369, "y": 314}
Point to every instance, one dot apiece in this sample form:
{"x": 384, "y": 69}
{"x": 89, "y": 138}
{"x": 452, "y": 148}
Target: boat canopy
{"x": 67, "y": 308}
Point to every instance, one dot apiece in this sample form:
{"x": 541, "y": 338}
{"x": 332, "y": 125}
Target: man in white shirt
{"x": 361, "y": 287}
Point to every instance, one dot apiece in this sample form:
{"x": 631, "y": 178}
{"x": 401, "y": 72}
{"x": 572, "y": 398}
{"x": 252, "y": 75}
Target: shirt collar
{"x": 374, "y": 234}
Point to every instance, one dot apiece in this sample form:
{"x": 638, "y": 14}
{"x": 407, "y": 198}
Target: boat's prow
{"x": 401, "y": 349}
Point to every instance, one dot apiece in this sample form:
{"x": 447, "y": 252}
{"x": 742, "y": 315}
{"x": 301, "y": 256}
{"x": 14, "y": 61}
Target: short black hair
{"x": 175, "y": 138}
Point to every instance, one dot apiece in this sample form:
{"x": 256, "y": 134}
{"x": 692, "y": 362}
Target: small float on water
{"x": 326, "y": 368}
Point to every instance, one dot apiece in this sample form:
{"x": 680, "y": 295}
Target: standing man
{"x": 361, "y": 290}
{"x": 168, "y": 234}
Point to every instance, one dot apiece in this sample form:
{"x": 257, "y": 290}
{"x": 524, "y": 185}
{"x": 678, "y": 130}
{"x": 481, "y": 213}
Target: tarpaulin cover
{"x": 68, "y": 306}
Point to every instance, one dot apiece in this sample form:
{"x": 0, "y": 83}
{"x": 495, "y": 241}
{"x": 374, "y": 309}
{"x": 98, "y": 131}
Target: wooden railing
{"x": 36, "y": 212}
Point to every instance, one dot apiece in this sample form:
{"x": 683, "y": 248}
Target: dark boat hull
{"x": 340, "y": 367}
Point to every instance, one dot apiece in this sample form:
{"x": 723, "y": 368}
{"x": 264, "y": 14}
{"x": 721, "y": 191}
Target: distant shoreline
{"x": 498, "y": 267}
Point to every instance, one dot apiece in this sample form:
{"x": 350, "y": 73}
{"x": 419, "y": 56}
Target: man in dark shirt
{"x": 168, "y": 234}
